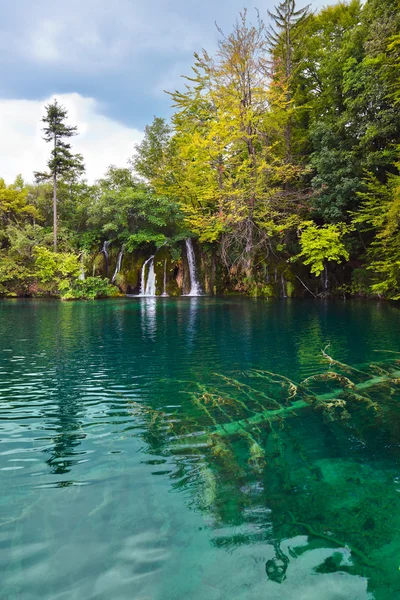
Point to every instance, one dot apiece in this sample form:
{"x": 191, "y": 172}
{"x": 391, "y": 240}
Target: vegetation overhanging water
{"x": 198, "y": 447}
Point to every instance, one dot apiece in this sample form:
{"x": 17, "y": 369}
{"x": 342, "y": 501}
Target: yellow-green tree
{"x": 14, "y": 204}
{"x": 379, "y": 214}
{"x": 228, "y": 160}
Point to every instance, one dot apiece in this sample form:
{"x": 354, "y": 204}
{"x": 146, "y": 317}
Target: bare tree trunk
{"x": 325, "y": 277}
{"x": 288, "y": 132}
{"x": 55, "y": 211}
{"x": 55, "y": 199}
{"x": 213, "y": 272}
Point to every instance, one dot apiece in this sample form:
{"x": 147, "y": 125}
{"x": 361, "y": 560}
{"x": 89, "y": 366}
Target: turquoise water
{"x": 158, "y": 449}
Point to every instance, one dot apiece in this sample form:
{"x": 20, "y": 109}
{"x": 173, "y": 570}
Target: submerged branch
{"x": 332, "y": 539}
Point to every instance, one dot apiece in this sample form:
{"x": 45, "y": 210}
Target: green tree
{"x": 62, "y": 162}
{"x": 126, "y": 208}
{"x": 333, "y": 37}
{"x": 319, "y": 245}
{"x": 284, "y": 39}
{"x": 355, "y": 125}
{"x": 14, "y": 203}
{"x": 379, "y": 215}
{"x": 151, "y": 155}
{"x": 228, "y": 163}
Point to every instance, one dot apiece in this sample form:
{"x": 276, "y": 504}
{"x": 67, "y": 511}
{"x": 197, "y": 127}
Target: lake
{"x": 192, "y": 448}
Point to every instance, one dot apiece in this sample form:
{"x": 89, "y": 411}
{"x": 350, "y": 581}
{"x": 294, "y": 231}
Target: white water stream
{"x": 119, "y": 264}
{"x": 148, "y": 285}
{"x": 195, "y": 288}
{"x": 165, "y": 279}
{"x": 105, "y": 252}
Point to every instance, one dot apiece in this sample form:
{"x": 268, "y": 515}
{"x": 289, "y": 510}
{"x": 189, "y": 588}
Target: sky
{"x": 108, "y": 62}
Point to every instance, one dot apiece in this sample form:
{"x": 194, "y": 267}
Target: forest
{"x": 280, "y": 163}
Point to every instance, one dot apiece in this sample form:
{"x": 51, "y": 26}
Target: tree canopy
{"x": 281, "y": 158}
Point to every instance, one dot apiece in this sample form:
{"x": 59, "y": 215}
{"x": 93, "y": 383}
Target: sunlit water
{"x": 118, "y": 482}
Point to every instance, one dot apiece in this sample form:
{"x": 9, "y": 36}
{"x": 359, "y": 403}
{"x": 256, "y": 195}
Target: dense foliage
{"x": 281, "y": 157}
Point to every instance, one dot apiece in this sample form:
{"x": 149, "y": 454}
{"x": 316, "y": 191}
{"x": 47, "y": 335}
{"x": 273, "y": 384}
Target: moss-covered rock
{"x": 266, "y": 278}
{"x": 129, "y": 277}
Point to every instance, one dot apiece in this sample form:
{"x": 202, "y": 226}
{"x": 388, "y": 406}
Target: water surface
{"x": 131, "y": 467}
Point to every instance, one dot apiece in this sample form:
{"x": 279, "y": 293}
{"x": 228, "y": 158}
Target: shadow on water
{"x": 198, "y": 447}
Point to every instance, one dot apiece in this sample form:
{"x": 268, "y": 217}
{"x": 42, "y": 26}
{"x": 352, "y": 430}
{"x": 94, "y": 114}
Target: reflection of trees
{"x": 66, "y": 349}
{"x": 310, "y": 340}
{"x": 68, "y": 432}
{"x": 270, "y": 458}
{"x": 352, "y": 328}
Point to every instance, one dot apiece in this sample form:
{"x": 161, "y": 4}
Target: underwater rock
{"x": 276, "y": 568}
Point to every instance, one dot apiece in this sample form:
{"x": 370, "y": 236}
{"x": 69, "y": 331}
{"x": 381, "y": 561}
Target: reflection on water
{"x": 191, "y": 323}
{"x": 148, "y": 308}
{"x": 191, "y": 448}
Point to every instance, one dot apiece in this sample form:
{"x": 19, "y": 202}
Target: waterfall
{"x": 165, "y": 279}
{"x": 195, "y": 289}
{"x": 82, "y": 276}
{"x": 148, "y": 287}
{"x": 151, "y": 280}
{"x": 105, "y": 252}
{"x": 119, "y": 263}
{"x": 283, "y": 283}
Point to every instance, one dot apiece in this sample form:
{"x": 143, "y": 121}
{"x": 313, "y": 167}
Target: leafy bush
{"x": 62, "y": 270}
{"x": 55, "y": 266}
{"x": 321, "y": 244}
{"x": 15, "y": 278}
{"x": 87, "y": 289}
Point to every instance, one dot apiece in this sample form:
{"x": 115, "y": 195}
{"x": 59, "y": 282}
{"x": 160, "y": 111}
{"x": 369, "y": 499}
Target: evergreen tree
{"x": 283, "y": 40}
{"x": 62, "y": 163}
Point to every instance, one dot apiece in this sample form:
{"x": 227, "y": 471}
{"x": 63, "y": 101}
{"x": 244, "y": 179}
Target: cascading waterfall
{"x": 195, "y": 289}
{"x": 105, "y": 252}
{"x": 148, "y": 286}
{"x": 119, "y": 264}
{"x": 165, "y": 279}
{"x": 82, "y": 275}
{"x": 283, "y": 283}
{"x": 143, "y": 277}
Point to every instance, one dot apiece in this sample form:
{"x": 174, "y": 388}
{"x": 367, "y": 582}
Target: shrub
{"x": 87, "y": 289}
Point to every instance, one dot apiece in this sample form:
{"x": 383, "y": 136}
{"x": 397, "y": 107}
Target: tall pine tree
{"x": 62, "y": 163}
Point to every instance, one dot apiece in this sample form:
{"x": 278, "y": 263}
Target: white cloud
{"x": 101, "y": 140}
{"x": 81, "y": 36}
{"x": 44, "y": 41}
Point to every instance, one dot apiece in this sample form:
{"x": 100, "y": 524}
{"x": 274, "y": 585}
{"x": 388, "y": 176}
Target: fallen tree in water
{"x": 308, "y": 449}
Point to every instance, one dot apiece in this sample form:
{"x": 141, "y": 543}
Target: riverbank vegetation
{"x": 281, "y": 161}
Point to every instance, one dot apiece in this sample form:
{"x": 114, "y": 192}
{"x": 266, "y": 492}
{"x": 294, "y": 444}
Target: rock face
{"x": 170, "y": 265}
{"x": 173, "y": 272}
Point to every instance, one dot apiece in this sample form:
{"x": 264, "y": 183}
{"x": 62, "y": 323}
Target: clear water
{"x": 117, "y": 480}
